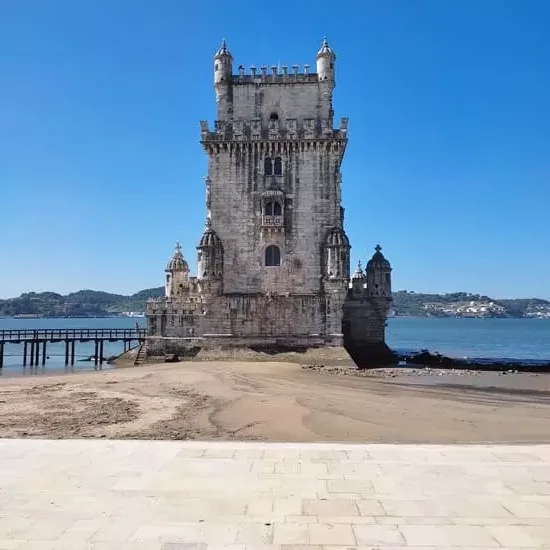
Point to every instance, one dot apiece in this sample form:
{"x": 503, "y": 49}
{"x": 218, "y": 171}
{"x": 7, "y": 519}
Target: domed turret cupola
{"x": 336, "y": 255}
{"x": 326, "y": 59}
{"x": 223, "y": 64}
{"x": 177, "y": 272}
{"x": 177, "y": 262}
{"x": 379, "y": 275}
{"x": 210, "y": 255}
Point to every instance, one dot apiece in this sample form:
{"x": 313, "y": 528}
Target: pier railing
{"x": 79, "y": 334}
{"x": 35, "y": 340}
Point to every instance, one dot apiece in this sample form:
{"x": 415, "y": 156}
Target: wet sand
{"x": 270, "y": 401}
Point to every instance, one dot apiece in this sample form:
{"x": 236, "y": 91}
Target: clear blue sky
{"x": 448, "y": 164}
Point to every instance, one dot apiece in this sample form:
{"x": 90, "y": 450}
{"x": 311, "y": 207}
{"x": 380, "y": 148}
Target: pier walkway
{"x": 35, "y": 341}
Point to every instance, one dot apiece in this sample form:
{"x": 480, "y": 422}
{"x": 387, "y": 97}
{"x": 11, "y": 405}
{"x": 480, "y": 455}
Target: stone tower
{"x": 274, "y": 176}
{"x": 273, "y": 262}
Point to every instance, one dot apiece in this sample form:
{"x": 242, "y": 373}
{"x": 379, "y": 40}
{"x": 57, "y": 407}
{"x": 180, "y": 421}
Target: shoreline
{"x": 267, "y": 401}
{"x": 422, "y": 362}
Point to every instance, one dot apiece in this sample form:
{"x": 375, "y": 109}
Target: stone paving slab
{"x": 164, "y": 495}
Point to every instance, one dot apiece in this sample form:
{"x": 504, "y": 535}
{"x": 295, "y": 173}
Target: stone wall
{"x": 364, "y": 327}
{"x": 242, "y": 316}
{"x": 288, "y": 98}
{"x": 311, "y": 194}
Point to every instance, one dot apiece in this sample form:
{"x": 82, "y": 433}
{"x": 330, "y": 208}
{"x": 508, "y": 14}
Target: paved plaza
{"x": 130, "y": 495}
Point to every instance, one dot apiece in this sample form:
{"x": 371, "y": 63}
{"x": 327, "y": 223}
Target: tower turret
{"x": 223, "y": 69}
{"x": 378, "y": 275}
{"x": 223, "y": 64}
{"x": 210, "y": 255}
{"x": 336, "y": 255}
{"x": 325, "y": 63}
{"x": 177, "y": 272}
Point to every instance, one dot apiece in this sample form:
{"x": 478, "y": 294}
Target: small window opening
{"x": 269, "y": 209}
{"x": 216, "y": 67}
{"x": 272, "y": 256}
{"x": 268, "y": 167}
{"x": 278, "y": 166}
{"x": 277, "y": 210}
{"x": 273, "y": 116}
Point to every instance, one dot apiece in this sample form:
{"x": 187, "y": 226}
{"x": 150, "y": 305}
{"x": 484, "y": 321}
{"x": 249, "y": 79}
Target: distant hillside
{"x": 89, "y": 303}
{"x": 463, "y": 304}
{"x": 84, "y": 303}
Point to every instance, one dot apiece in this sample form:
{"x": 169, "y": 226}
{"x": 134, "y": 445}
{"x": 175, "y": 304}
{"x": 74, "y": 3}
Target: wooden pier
{"x": 35, "y": 342}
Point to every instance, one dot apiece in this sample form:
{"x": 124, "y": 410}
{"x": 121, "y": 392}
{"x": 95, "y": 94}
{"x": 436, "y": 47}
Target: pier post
{"x": 25, "y": 354}
{"x": 44, "y": 353}
{"x": 66, "y": 352}
{"x": 96, "y": 350}
{"x": 1, "y": 355}
{"x": 32, "y": 353}
{"x": 101, "y": 352}
{"x": 37, "y": 351}
{"x": 72, "y": 352}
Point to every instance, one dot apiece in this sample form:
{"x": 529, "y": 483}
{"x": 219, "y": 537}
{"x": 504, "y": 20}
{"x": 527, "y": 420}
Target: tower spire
{"x": 359, "y": 271}
{"x": 222, "y": 50}
{"x": 325, "y": 49}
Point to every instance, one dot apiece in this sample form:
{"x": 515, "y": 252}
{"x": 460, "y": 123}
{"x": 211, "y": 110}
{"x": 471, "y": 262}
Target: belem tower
{"x": 274, "y": 259}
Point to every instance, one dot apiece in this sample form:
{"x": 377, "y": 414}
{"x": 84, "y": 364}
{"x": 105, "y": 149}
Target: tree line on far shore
{"x": 93, "y": 303}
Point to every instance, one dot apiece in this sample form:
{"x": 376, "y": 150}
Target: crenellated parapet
{"x": 290, "y": 129}
{"x": 274, "y": 75}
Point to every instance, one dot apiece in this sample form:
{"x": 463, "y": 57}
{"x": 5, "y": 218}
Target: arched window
{"x": 277, "y": 210}
{"x": 269, "y": 209}
{"x": 278, "y": 166}
{"x": 273, "y": 116}
{"x": 268, "y": 167}
{"x": 272, "y": 255}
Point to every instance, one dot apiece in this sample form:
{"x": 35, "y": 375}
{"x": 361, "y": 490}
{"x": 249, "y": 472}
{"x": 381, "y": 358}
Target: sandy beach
{"x": 278, "y": 402}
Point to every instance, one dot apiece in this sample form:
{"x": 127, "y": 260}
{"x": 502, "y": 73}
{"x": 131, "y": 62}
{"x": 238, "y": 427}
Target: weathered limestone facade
{"x": 273, "y": 262}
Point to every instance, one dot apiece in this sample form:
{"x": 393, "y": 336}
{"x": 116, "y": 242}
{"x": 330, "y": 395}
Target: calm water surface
{"x": 523, "y": 339}
{"x": 13, "y": 355}
{"x": 480, "y": 338}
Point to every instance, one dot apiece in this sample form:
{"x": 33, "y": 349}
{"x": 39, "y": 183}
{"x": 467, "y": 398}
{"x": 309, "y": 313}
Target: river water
{"x": 521, "y": 339}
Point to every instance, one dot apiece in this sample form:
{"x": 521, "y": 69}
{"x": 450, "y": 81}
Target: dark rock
{"x": 437, "y": 360}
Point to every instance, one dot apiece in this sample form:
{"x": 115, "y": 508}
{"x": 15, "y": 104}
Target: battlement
{"x": 290, "y": 129}
{"x": 274, "y": 75}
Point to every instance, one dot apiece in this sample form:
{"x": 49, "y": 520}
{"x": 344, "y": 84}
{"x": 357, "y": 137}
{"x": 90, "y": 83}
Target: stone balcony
{"x": 272, "y": 221}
